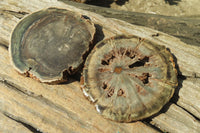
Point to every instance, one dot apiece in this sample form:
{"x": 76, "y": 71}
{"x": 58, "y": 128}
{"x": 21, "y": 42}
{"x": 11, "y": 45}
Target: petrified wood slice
{"x": 50, "y": 44}
{"x": 129, "y": 78}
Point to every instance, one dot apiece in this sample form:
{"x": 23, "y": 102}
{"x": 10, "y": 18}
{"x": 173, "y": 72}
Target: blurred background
{"x": 162, "y": 7}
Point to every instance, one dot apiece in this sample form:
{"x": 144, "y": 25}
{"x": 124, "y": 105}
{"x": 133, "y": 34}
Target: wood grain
{"x": 185, "y": 28}
{"x": 52, "y": 108}
{"x": 6, "y": 122}
{"x": 63, "y": 108}
{"x": 176, "y": 120}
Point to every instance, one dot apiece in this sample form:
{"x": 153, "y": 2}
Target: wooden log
{"x": 185, "y": 28}
{"x": 109, "y": 27}
{"x": 53, "y": 108}
{"x": 67, "y": 102}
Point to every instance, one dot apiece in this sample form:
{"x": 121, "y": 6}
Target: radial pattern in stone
{"x": 129, "y": 78}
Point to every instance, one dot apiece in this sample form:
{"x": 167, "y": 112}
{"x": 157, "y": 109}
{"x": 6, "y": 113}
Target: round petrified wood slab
{"x": 129, "y": 78}
{"x": 50, "y": 44}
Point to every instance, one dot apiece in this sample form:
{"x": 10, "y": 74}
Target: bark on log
{"x": 63, "y": 107}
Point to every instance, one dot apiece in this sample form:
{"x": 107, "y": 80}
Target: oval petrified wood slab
{"x": 50, "y": 44}
{"x": 129, "y": 78}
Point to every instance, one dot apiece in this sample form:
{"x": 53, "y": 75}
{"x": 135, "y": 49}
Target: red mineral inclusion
{"x": 118, "y": 70}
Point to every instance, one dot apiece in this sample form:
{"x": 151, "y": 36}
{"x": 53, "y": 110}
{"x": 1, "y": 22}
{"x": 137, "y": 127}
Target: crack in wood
{"x": 16, "y": 87}
{"x": 181, "y": 77}
{"x": 196, "y": 118}
{"x": 4, "y": 46}
{"x": 28, "y": 126}
{"x": 184, "y": 77}
{"x": 147, "y": 122}
{"x": 18, "y": 15}
{"x": 43, "y": 100}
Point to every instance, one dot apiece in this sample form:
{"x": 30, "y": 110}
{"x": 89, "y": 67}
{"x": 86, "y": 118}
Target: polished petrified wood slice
{"x": 129, "y": 78}
{"x": 51, "y": 44}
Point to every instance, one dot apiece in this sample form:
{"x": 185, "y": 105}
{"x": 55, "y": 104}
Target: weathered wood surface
{"x": 13, "y": 125}
{"x": 63, "y": 108}
{"x": 186, "y": 28}
{"x": 52, "y": 108}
